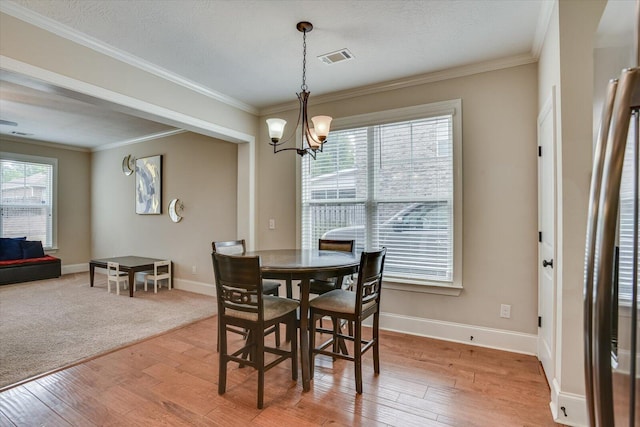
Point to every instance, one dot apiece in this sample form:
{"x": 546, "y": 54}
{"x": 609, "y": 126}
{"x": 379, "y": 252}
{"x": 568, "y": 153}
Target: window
{"x": 27, "y": 202}
{"x": 391, "y": 179}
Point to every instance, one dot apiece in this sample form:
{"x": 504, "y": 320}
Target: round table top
{"x": 305, "y": 259}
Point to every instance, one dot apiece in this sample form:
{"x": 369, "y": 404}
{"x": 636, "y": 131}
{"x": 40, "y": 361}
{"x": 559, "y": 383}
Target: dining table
{"x": 304, "y": 265}
{"x": 130, "y": 264}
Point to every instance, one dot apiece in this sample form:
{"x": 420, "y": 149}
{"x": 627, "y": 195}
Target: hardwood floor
{"x": 171, "y": 380}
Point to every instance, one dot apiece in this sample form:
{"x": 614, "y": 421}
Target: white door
{"x": 546, "y": 245}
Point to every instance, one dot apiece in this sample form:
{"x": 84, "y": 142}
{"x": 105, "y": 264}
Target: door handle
{"x": 546, "y": 263}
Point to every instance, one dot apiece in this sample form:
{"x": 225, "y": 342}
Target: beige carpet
{"x": 49, "y": 324}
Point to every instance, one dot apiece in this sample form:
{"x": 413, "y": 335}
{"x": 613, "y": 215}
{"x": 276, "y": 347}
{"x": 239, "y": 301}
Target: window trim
{"x": 452, "y": 107}
{"x": 27, "y": 158}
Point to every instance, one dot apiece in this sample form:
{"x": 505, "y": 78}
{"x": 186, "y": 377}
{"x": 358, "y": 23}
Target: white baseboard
{"x": 195, "y": 287}
{"x": 484, "y": 337}
{"x": 568, "y": 408}
{"x": 75, "y": 268}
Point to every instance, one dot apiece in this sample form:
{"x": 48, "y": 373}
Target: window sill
{"x": 426, "y": 287}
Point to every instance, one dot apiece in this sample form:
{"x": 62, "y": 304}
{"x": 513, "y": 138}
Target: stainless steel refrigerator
{"x": 611, "y": 293}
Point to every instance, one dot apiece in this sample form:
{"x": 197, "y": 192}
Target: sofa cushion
{"x": 17, "y": 263}
{"x": 32, "y": 249}
{"x": 11, "y": 248}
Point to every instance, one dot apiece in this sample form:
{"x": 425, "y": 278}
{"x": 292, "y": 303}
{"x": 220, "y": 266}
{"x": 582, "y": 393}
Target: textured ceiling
{"x": 251, "y": 52}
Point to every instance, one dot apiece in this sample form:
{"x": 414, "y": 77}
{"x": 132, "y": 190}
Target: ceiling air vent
{"x": 21, "y": 133}
{"x": 337, "y": 56}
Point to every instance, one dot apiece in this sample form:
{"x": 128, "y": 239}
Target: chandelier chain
{"x": 304, "y": 61}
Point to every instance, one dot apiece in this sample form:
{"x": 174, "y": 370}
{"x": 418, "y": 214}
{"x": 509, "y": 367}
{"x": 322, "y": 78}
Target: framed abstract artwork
{"x": 149, "y": 185}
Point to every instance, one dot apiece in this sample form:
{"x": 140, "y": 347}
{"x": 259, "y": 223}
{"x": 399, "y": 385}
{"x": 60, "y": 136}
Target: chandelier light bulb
{"x": 321, "y": 125}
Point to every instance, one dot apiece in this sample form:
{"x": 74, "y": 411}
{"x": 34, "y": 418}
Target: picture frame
{"x": 149, "y": 185}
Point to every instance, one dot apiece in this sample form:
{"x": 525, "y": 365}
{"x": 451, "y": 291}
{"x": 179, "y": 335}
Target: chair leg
{"x": 222, "y": 372}
{"x": 312, "y": 344}
{"x": 277, "y": 334}
{"x": 376, "y": 343}
{"x": 293, "y": 338}
{"x": 220, "y": 332}
{"x": 259, "y": 359}
{"x": 357, "y": 355}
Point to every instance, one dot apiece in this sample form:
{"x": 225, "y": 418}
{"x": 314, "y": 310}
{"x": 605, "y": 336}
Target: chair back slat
{"x": 370, "y": 277}
{"x": 229, "y": 247}
{"x": 162, "y": 268}
{"x": 113, "y": 268}
{"x": 238, "y": 283}
{"x": 336, "y": 245}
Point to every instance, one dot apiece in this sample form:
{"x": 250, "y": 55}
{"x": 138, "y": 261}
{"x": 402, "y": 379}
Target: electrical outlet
{"x": 505, "y": 311}
{"x": 194, "y": 270}
{"x": 272, "y": 224}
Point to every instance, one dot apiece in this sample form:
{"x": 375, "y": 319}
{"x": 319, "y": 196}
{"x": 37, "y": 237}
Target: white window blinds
{"x": 386, "y": 185}
{"x": 26, "y": 198}
{"x": 627, "y": 221}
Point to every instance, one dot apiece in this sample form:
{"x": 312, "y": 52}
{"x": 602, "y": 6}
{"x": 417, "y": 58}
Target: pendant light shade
{"x": 321, "y": 126}
{"x": 276, "y": 129}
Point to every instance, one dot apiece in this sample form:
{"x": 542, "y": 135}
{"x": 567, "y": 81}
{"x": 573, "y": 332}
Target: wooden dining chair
{"x": 269, "y": 287}
{"x": 322, "y": 286}
{"x": 352, "y": 307}
{"x": 243, "y": 304}
{"x": 116, "y": 276}
{"x": 233, "y": 247}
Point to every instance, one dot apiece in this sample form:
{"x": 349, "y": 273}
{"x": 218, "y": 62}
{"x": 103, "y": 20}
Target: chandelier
{"x": 311, "y": 138}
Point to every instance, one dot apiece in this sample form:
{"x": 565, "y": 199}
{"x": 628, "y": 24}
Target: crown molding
{"x": 109, "y": 146}
{"x": 85, "y": 40}
{"x": 138, "y": 140}
{"x": 544, "y": 18}
{"x": 462, "y": 71}
{"x": 44, "y": 143}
